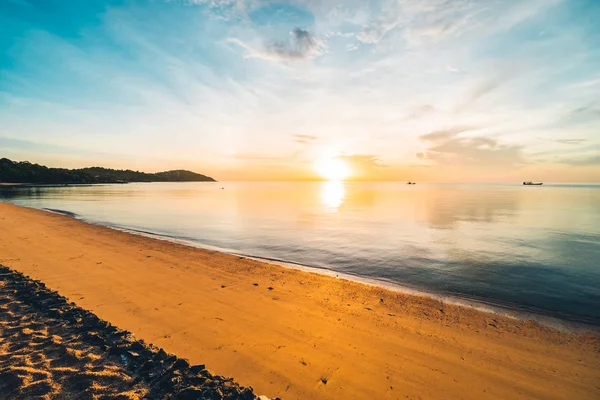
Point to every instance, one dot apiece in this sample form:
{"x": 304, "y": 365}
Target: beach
{"x": 52, "y": 349}
{"x": 293, "y": 334}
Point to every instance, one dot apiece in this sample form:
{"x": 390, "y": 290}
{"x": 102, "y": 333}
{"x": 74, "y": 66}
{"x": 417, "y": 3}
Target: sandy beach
{"x": 293, "y": 334}
{"x": 52, "y": 349}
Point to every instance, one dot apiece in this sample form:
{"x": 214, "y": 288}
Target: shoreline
{"x": 290, "y": 333}
{"x": 515, "y": 312}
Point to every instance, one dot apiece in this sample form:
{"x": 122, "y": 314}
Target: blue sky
{"x": 440, "y": 90}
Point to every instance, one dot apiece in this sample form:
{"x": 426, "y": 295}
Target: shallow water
{"x": 535, "y": 249}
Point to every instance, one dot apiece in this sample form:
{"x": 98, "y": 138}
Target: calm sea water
{"x": 535, "y": 249}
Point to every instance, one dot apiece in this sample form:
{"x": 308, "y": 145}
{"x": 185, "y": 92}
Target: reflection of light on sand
{"x": 332, "y": 194}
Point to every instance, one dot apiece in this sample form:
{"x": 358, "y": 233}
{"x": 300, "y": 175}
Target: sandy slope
{"x": 41, "y": 358}
{"x": 294, "y": 334}
{"x": 52, "y": 349}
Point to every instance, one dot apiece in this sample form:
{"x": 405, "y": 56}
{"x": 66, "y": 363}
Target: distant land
{"x": 29, "y": 173}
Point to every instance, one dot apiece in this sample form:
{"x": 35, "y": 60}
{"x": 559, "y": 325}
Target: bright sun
{"x": 333, "y": 169}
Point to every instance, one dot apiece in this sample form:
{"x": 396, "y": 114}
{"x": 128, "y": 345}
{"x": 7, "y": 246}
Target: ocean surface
{"x": 535, "y": 249}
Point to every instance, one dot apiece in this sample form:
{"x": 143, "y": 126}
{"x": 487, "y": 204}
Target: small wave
{"x": 63, "y": 212}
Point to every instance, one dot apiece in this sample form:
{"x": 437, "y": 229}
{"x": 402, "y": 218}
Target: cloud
{"x": 389, "y": 19}
{"x": 580, "y": 110}
{"x": 369, "y": 160}
{"x": 375, "y": 33}
{"x": 571, "y": 141}
{"x": 591, "y": 110}
{"x": 363, "y": 166}
{"x": 225, "y": 10}
{"x": 304, "y": 138}
{"x": 445, "y": 134}
{"x": 352, "y": 47}
{"x": 485, "y": 87}
{"x": 586, "y": 84}
{"x": 580, "y": 114}
{"x": 446, "y": 147}
{"x": 583, "y": 161}
{"x": 442, "y": 28}
{"x": 420, "y": 20}
{"x": 301, "y": 45}
{"x": 500, "y": 76}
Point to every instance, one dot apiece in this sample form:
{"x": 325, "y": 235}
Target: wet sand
{"x": 291, "y": 333}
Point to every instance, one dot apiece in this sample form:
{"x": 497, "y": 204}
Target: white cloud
{"x": 389, "y": 18}
{"x": 589, "y": 83}
{"x": 352, "y": 47}
{"x": 301, "y": 45}
{"x": 419, "y": 19}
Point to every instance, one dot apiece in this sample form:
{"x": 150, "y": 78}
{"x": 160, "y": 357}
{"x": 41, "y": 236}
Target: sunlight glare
{"x": 333, "y": 169}
{"x": 333, "y": 194}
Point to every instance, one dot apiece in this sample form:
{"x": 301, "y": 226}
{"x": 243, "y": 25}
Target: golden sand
{"x": 33, "y": 365}
{"x": 294, "y": 334}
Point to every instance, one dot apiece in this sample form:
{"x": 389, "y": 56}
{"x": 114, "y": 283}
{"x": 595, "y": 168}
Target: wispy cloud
{"x": 218, "y": 9}
{"x": 571, "y": 141}
{"x": 448, "y": 148}
{"x": 389, "y": 18}
{"x": 589, "y": 83}
{"x": 487, "y": 84}
{"x": 445, "y": 134}
{"x": 301, "y": 45}
{"x": 421, "y": 20}
{"x": 582, "y": 161}
{"x": 304, "y": 139}
{"x": 364, "y": 160}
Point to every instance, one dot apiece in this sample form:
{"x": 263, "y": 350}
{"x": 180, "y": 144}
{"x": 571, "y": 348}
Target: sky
{"x": 426, "y": 90}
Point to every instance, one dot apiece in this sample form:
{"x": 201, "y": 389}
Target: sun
{"x": 333, "y": 169}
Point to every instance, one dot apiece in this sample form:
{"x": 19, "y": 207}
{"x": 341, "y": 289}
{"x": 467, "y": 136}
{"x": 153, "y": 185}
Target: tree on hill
{"x": 26, "y": 172}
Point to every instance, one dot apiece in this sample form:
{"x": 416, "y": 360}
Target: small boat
{"x": 533, "y": 183}
{"x": 411, "y": 183}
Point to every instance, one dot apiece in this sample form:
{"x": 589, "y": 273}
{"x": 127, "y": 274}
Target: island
{"x": 25, "y": 172}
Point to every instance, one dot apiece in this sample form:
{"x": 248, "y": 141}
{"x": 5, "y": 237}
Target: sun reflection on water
{"x": 333, "y": 194}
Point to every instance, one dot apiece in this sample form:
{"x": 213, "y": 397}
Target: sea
{"x": 527, "y": 250}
